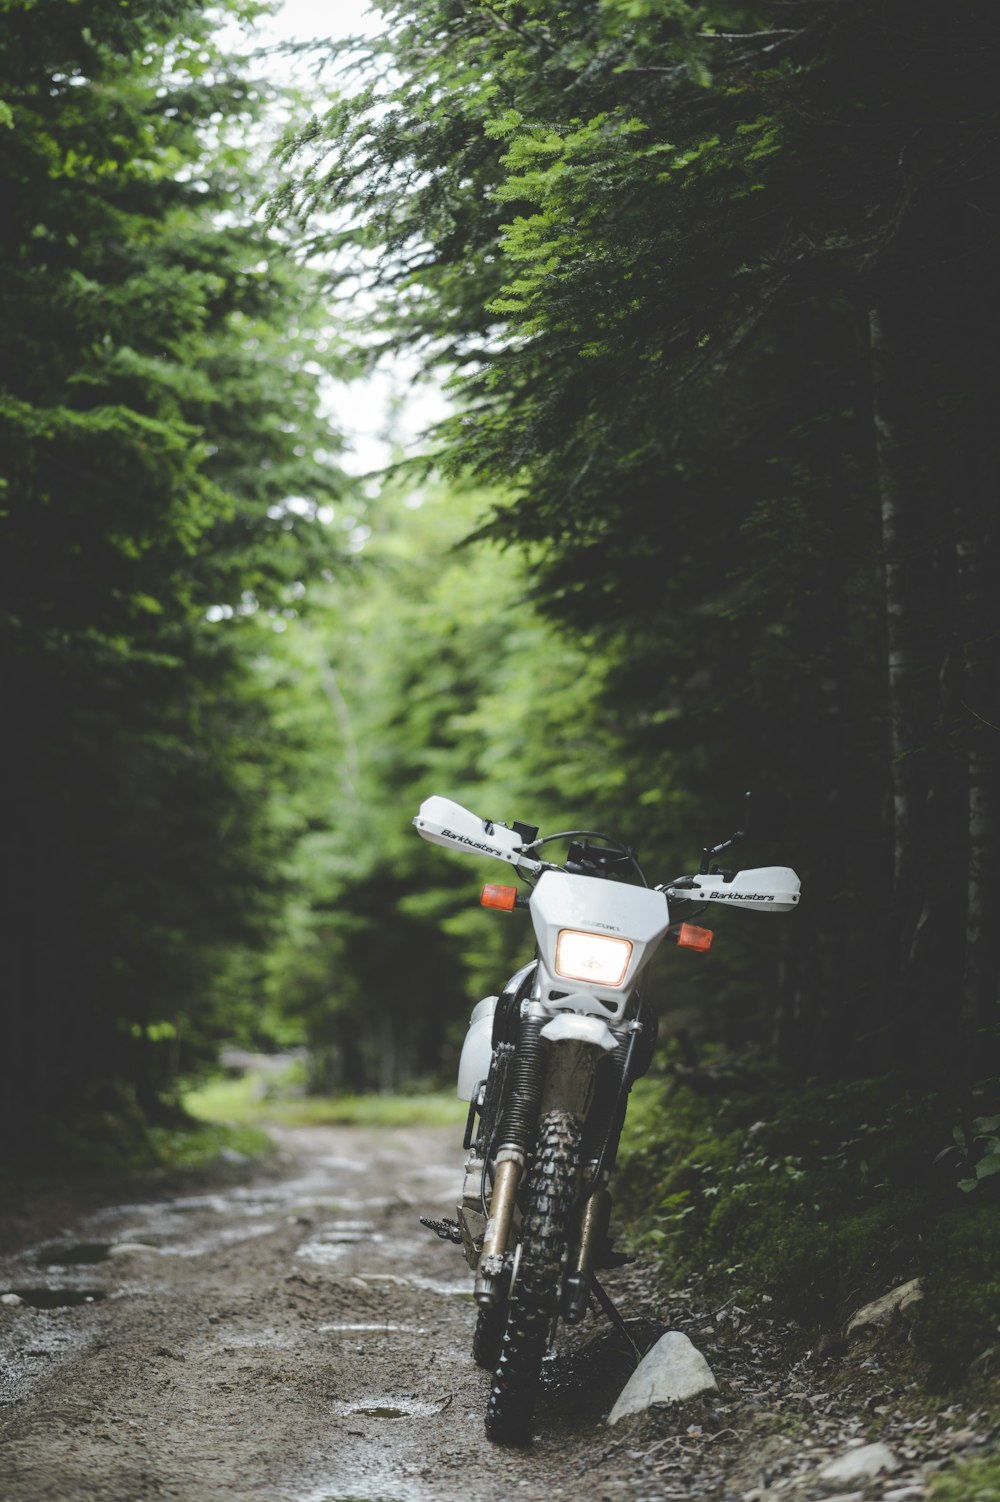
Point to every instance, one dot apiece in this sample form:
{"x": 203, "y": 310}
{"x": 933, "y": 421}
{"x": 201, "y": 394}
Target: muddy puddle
{"x": 78, "y": 1254}
{"x": 56, "y": 1298}
{"x": 387, "y": 1408}
{"x": 329, "y": 1242}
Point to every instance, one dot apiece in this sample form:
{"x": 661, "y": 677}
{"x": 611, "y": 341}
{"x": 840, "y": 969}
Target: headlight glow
{"x": 595, "y": 958}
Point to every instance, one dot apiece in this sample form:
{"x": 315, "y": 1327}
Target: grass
{"x": 110, "y": 1137}
{"x": 221, "y": 1127}
{"x": 254, "y": 1100}
{"x": 975, "y": 1480}
{"x": 207, "y": 1144}
{"x": 218, "y": 1135}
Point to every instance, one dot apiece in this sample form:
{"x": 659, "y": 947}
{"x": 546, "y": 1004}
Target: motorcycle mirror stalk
{"x": 763, "y": 814}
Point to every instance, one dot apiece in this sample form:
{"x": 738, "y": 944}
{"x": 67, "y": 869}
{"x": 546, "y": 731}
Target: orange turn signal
{"x": 501, "y": 897}
{"x": 692, "y": 937}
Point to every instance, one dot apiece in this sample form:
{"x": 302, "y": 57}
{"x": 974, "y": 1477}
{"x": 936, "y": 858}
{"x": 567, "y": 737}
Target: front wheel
{"x": 534, "y": 1298}
{"x": 488, "y": 1338}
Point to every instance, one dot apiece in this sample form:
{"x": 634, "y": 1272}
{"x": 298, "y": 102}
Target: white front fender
{"x": 582, "y": 1029}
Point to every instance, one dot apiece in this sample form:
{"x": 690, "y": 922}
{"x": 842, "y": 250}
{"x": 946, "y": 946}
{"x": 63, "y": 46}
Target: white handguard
{"x": 445, "y": 822}
{"x": 767, "y": 889}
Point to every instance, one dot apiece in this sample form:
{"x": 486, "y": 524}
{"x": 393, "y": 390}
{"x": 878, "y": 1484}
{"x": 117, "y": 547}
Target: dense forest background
{"x": 714, "y": 286}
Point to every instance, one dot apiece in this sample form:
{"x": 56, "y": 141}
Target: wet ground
{"x": 300, "y": 1338}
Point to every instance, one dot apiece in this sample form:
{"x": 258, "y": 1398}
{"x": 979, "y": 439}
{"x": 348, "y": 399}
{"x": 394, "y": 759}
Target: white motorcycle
{"x": 547, "y": 1067}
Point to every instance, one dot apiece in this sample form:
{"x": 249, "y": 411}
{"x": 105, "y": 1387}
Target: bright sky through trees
{"x": 386, "y": 412}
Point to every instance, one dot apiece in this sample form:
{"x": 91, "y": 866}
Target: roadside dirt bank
{"x": 299, "y": 1338}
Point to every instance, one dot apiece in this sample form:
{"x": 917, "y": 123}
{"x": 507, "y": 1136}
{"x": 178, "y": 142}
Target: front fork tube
{"x": 591, "y": 1237}
{"x": 592, "y": 1234}
{"x": 490, "y": 1279}
{"x": 556, "y": 1077}
{"x": 515, "y": 1135}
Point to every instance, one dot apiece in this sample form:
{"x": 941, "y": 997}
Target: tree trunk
{"x": 911, "y": 682}
{"x": 980, "y": 716}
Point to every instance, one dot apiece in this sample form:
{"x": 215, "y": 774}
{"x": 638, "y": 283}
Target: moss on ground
{"x": 823, "y": 1197}
{"x": 976, "y": 1480}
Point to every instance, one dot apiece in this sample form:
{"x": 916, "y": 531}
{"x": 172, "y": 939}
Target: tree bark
{"x": 911, "y": 683}
{"x": 980, "y": 712}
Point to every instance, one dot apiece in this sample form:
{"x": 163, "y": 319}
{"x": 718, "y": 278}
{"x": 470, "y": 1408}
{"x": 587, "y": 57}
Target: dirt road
{"x": 300, "y": 1338}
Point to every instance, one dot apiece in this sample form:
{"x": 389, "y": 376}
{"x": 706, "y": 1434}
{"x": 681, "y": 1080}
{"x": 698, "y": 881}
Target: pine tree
{"x": 158, "y": 408}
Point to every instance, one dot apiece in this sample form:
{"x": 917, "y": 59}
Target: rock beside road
{"x": 882, "y": 1311}
{"x": 673, "y": 1371}
{"x": 858, "y": 1466}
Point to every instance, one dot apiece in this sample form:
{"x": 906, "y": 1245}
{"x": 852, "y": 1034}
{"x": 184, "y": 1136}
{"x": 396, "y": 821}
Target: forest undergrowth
{"x": 805, "y": 1203}
{"x": 824, "y": 1196}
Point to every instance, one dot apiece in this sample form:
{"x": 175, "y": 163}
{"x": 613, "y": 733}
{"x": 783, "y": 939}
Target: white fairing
{"x": 445, "y": 822}
{"x": 477, "y": 1050}
{"x": 589, "y": 904}
{"x": 766, "y": 889}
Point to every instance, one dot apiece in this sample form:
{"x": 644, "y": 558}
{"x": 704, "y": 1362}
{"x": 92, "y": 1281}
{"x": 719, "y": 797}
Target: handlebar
{"x": 444, "y": 822}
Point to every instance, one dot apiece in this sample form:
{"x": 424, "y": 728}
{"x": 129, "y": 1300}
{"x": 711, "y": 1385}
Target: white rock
{"x": 881, "y": 1311}
{"x": 671, "y": 1372}
{"x": 11, "y": 1298}
{"x": 861, "y": 1464}
{"x": 126, "y": 1248}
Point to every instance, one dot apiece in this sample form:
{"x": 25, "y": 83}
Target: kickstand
{"x": 607, "y": 1304}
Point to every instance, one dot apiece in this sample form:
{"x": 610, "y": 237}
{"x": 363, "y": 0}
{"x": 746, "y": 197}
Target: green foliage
{"x": 973, "y": 1480}
{"x": 648, "y": 240}
{"x": 962, "y": 1316}
{"x": 819, "y": 1198}
{"x": 980, "y": 1148}
{"x": 158, "y": 412}
{"x": 428, "y": 671}
{"x": 205, "y": 1147}
{"x": 106, "y": 1131}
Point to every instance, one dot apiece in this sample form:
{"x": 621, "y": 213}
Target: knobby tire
{"x": 488, "y": 1337}
{"x": 534, "y": 1298}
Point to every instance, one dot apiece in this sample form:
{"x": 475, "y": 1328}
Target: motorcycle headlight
{"x": 596, "y": 958}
